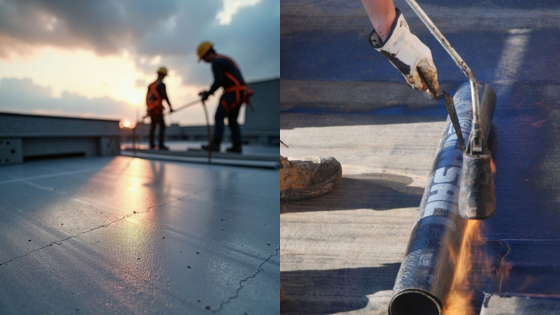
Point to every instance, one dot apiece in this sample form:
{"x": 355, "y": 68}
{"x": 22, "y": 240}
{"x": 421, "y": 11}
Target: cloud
{"x": 170, "y": 29}
{"x": 231, "y": 7}
{"x": 152, "y": 33}
{"x": 103, "y": 25}
{"x": 23, "y": 96}
{"x": 252, "y": 39}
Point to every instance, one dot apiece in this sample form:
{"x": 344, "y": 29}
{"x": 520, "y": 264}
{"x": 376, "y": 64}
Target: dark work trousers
{"x": 229, "y": 108}
{"x": 157, "y": 120}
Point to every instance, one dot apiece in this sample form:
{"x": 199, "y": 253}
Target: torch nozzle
{"x": 477, "y": 144}
{"x": 476, "y": 192}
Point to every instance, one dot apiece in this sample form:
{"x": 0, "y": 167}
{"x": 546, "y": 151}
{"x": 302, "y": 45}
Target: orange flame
{"x": 461, "y": 294}
{"x": 493, "y": 166}
{"x": 528, "y": 282}
{"x": 504, "y": 269}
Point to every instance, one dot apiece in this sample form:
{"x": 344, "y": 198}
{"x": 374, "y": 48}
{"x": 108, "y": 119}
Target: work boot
{"x": 215, "y": 146}
{"x": 163, "y": 148}
{"x": 235, "y": 148}
{"x": 307, "y": 177}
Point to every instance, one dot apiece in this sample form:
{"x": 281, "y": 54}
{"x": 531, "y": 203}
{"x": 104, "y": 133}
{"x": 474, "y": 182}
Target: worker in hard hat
{"x": 154, "y": 100}
{"x": 226, "y": 75}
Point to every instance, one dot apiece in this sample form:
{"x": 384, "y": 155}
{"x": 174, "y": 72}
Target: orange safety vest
{"x": 154, "y": 99}
{"x": 237, "y": 88}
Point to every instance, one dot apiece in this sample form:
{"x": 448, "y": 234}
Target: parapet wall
{"x": 25, "y": 137}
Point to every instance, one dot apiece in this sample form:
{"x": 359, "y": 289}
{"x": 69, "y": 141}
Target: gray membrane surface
{"x": 132, "y": 236}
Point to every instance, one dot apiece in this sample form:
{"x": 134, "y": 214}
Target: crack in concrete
{"x": 59, "y": 242}
{"x": 14, "y": 180}
{"x": 245, "y": 280}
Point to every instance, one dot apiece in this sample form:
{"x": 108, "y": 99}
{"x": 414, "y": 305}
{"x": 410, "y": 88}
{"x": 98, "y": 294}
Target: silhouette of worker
{"x": 154, "y": 100}
{"x": 227, "y": 75}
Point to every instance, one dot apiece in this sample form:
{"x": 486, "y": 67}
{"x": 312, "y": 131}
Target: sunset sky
{"x": 96, "y": 58}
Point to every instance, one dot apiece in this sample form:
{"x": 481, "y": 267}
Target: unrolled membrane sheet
{"x": 425, "y": 275}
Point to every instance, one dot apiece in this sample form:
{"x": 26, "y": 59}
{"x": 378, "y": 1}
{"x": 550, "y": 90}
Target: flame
{"x": 526, "y": 284}
{"x": 492, "y": 166}
{"x": 503, "y": 269}
{"x": 461, "y": 294}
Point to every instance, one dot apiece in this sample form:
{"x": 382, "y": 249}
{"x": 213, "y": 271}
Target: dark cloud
{"x": 147, "y": 28}
{"x": 106, "y": 26}
{"x": 22, "y": 95}
{"x": 171, "y": 29}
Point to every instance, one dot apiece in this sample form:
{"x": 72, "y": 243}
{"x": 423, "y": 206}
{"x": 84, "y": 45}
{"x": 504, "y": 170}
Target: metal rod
{"x": 208, "y": 133}
{"x": 454, "y": 119}
{"x": 451, "y": 51}
{"x": 185, "y": 106}
{"x": 178, "y": 109}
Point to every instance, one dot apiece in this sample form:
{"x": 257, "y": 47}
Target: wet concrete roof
{"x": 131, "y": 236}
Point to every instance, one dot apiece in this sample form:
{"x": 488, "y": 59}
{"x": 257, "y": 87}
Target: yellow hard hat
{"x": 203, "y": 48}
{"x": 162, "y": 70}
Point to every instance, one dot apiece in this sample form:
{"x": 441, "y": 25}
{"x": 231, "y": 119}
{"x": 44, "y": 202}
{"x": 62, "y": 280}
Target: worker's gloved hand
{"x": 409, "y": 55}
{"x": 204, "y": 95}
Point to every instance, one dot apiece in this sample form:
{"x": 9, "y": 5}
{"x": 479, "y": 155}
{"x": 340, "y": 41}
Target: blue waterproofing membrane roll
{"x": 426, "y": 273}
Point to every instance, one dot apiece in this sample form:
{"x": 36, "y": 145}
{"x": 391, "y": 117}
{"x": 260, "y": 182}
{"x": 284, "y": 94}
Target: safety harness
{"x": 154, "y": 100}
{"x": 237, "y": 88}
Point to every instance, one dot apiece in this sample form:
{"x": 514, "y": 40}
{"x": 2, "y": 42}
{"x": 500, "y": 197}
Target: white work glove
{"x": 409, "y": 55}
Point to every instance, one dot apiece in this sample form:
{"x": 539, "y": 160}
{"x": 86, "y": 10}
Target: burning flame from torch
{"x": 459, "y": 300}
{"x": 461, "y": 294}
